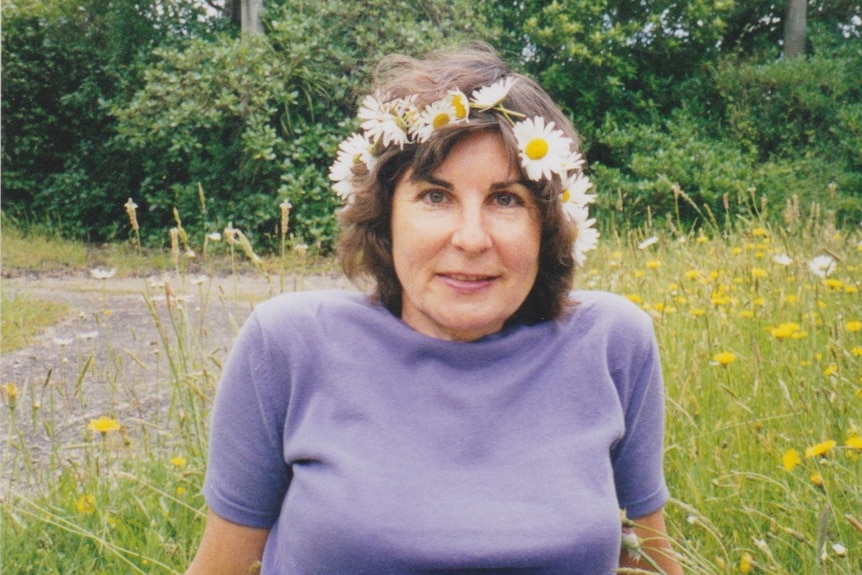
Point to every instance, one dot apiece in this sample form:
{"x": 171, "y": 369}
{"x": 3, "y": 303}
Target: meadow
{"x": 760, "y": 328}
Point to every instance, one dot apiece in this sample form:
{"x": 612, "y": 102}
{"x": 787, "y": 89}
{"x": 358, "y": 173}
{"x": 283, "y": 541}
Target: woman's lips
{"x": 467, "y": 283}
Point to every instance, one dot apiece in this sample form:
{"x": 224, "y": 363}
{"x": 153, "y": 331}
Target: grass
{"x": 22, "y": 317}
{"x": 763, "y": 366}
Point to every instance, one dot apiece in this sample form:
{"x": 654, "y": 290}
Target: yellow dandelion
{"x": 10, "y": 392}
{"x": 817, "y": 479}
{"x": 785, "y": 330}
{"x": 819, "y": 449}
{"x": 653, "y": 264}
{"x": 702, "y": 239}
{"x": 181, "y": 490}
{"x": 790, "y": 460}
{"x": 851, "y": 289}
{"x": 103, "y": 425}
{"x": 856, "y": 350}
{"x": 854, "y": 442}
{"x": 179, "y": 461}
{"x": 746, "y": 563}
{"x": 634, "y": 298}
{"x": 853, "y": 325}
{"x": 833, "y": 284}
{"x": 830, "y": 370}
{"x": 86, "y": 504}
{"x": 724, "y": 358}
{"x": 759, "y": 232}
{"x": 759, "y": 273}
{"x": 692, "y": 274}
{"x": 791, "y": 299}
{"x": 746, "y": 314}
{"x": 697, "y": 312}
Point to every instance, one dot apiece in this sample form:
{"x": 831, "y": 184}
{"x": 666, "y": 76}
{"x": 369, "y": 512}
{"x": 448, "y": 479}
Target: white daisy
{"x": 573, "y": 163}
{"x": 543, "y": 148}
{"x": 587, "y": 237}
{"x": 353, "y": 151}
{"x": 782, "y": 259}
{"x": 384, "y": 122}
{"x": 101, "y": 274}
{"x": 647, "y": 242}
{"x": 575, "y": 190}
{"x": 432, "y": 118}
{"x": 460, "y": 103}
{"x": 488, "y": 97}
{"x": 822, "y": 266}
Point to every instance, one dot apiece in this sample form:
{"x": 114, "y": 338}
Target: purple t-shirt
{"x": 367, "y": 447}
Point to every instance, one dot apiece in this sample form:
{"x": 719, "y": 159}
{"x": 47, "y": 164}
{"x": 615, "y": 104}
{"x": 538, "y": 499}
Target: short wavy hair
{"x": 365, "y": 241}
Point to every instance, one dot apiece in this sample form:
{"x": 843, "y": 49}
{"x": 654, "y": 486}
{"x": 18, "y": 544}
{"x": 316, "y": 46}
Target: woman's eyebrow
{"x": 508, "y": 184}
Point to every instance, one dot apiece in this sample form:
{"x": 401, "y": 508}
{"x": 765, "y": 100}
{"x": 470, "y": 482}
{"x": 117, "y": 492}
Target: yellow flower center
{"x": 460, "y": 109}
{"x": 566, "y": 196}
{"x": 536, "y": 149}
{"x": 440, "y": 120}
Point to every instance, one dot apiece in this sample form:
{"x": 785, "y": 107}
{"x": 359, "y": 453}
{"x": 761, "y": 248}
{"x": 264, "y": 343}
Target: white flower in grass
{"x": 488, "y": 97}
{"x": 88, "y": 335}
{"x": 544, "y": 150}
{"x": 822, "y": 266}
{"x": 353, "y": 151}
{"x": 63, "y": 341}
{"x": 101, "y": 274}
{"x": 214, "y": 237}
{"x": 385, "y": 122}
{"x": 782, "y": 259}
{"x": 437, "y": 115}
{"x": 647, "y": 242}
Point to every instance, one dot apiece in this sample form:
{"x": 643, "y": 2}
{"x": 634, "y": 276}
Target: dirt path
{"x": 107, "y": 356}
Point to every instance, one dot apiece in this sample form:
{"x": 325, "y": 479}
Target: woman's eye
{"x": 435, "y": 197}
{"x": 506, "y": 199}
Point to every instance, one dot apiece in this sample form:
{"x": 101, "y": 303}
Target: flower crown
{"x": 544, "y": 150}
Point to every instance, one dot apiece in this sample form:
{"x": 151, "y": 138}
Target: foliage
{"x": 24, "y": 316}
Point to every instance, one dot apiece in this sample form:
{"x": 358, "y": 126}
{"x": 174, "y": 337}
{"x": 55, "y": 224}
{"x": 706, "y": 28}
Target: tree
{"x": 794, "y": 28}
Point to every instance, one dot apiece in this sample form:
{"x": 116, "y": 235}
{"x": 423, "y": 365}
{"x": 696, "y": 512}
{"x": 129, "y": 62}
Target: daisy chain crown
{"x": 544, "y": 151}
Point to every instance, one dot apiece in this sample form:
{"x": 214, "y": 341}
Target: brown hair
{"x": 365, "y": 244}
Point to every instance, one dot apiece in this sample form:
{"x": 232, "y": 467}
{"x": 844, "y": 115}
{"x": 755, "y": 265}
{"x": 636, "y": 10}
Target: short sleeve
{"x": 247, "y": 477}
{"x": 638, "y": 455}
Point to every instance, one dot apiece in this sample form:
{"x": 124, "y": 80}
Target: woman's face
{"x": 465, "y": 243}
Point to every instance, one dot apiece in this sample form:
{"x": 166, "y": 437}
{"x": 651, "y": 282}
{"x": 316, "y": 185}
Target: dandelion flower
{"x": 488, "y": 97}
{"x": 785, "y": 330}
{"x": 103, "y": 425}
{"x": 819, "y": 449}
{"x": 544, "y": 149}
{"x": 759, "y": 273}
{"x": 854, "y": 442}
{"x": 653, "y": 264}
{"x": 86, "y": 504}
{"x": 822, "y": 266}
{"x": 854, "y": 325}
{"x": 179, "y": 461}
{"x": 817, "y": 479}
{"x": 724, "y": 358}
{"x": 746, "y": 563}
{"x": 790, "y": 460}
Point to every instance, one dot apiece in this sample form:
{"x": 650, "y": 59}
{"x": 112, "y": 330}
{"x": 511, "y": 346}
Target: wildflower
{"x": 759, "y": 232}
{"x": 384, "y": 122}
{"x": 575, "y": 192}
{"x": 586, "y": 234}
{"x": 791, "y": 299}
{"x": 285, "y": 216}
{"x": 88, "y": 335}
{"x": 631, "y": 543}
{"x": 854, "y": 325}
{"x": 819, "y": 449}
{"x": 724, "y": 358}
{"x": 833, "y": 284}
{"x": 782, "y": 259}
{"x": 790, "y": 460}
{"x": 131, "y": 208}
{"x": 702, "y": 239}
{"x": 101, "y": 274}
{"x": 856, "y": 350}
{"x": 10, "y": 395}
{"x": 544, "y": 149}
{"x": 854, "y": 442}
{"x": 822, "y": 266}
{"x": 179, "y": 461}
{"x": 647, "y": 242}
{"x": 491, "y": 96}
{"x": 759, "y": 273}
{"x": 63, "y": 341}
{"x": 736, "y": 251}
{"x": 830, "y": 370}
{"x": 181, "y": 490}
{"x": 839, "y": 549}
{"x": 86, "y": 504}
{"x": 438, "y": 114}
{"x": 214, "y": 237}
{"x": 230, "y": 234}
{"x": 355, "y": 151}
{"x": 785, "y": 330}
{"x": 653, "y": 265}
{"x": 634, "y": 298}
{"x": 746, "y": 563}
{"x": 697, "y": 312}
{"x": 103, "y": 425}
{"x": 816, "y": 478}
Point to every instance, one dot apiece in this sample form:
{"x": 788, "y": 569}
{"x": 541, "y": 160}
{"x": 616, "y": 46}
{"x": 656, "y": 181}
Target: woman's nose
{"x": 471, "y": 232}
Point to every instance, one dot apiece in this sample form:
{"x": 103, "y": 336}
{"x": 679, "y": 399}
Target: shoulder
{"x": 311, "y": 305}
{"x": 609, "y": 310}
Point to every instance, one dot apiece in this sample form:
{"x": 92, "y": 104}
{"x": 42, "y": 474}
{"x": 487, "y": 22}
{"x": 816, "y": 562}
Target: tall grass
{"x": 762, "y": 354}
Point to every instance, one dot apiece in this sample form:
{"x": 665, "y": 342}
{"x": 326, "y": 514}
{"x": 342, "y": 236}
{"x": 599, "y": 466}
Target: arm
{"x": 228, "y": 549}
{"x": 652, "y": 534}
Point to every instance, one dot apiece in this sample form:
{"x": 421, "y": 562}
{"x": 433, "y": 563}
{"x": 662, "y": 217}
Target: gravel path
{"x": 107, "y": 356}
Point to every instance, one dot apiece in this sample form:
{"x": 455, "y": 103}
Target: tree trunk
{"x": 251, "y": 23}
{"x": 794, "y": 28}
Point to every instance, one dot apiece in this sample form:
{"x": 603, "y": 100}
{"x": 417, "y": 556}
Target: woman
{"x": 472, "y": 413}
